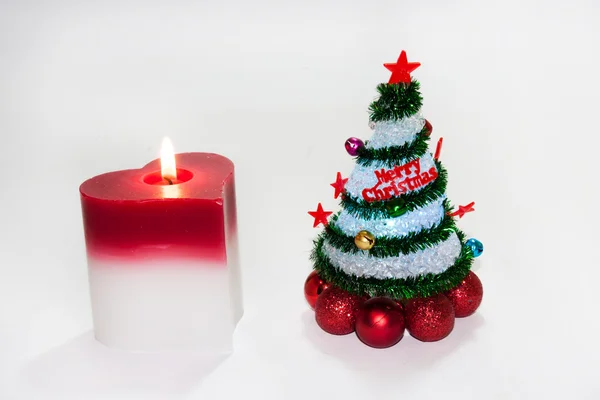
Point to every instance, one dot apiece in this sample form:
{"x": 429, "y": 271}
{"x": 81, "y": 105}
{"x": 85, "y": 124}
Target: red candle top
{"x": 136, "y": 214}
{"x": 205, "y": 172}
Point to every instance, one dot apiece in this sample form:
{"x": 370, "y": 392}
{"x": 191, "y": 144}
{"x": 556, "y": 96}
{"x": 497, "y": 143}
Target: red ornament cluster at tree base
{"x": 429, "y": 319}
{"x": 467, "y": 296}
{"x": 313, "y": 287}
{"x": 380, "y": 322}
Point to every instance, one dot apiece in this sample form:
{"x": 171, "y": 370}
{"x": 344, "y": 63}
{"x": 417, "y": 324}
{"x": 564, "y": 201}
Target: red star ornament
{"x": 401, "y": 69}
{"x": 320, "y": 216}
{"x": 462, "y": 210}
{"x": 338, "y": 185}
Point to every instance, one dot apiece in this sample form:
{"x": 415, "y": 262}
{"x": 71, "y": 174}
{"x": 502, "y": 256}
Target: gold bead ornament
{"x": 364, "y": 240}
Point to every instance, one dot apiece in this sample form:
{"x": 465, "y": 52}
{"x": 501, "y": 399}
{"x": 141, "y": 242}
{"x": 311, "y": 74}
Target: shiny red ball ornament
{"x": 466, "y": 297}
{"x": 335, "y": 311}
{"x": 428, "y": 127}
{"x": 429, "y": 319}
{"x": 380, "y": 322}
{"x": 313, "y": 287}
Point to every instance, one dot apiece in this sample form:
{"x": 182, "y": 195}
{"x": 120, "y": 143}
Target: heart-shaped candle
{"x": 162, "y": 254}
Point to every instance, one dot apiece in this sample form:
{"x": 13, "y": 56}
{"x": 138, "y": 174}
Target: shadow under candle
{"x": 84, "y": 368}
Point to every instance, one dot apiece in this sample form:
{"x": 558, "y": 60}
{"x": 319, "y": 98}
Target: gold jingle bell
{"x": 364, "y": 240}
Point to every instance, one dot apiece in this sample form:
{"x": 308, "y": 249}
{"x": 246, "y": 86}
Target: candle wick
{"x": 169, "y": 180}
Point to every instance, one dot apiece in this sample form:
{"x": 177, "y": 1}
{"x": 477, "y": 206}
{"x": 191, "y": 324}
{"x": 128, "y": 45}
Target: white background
{"x": 89, "y": 87}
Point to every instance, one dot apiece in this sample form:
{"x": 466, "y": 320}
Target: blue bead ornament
{"x": 476, "y": 246}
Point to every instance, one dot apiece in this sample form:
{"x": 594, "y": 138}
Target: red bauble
{"x": 428, "y": 127}
{"x": 336, "y": 310}
{"x": 313, "y": 287}
{"x": 380, "y": 322}
{"x": 467, "y": 296}
{"x": 429, "y": 319}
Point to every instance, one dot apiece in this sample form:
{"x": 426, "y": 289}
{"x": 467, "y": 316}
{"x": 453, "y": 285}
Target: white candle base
{"x": 151, "y": 306}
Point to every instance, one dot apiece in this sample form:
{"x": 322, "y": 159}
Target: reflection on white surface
{"x": 85, "y": 369}
{"x": 399, "y": 363}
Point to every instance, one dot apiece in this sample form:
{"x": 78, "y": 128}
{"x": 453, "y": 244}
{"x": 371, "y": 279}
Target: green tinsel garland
{"x": 422, "y": 286}
{"x": 377, "y": 209}
{"x": 394, "y": 155}
{"x": 394, "y": 246}
{"x": 396, "y": 101}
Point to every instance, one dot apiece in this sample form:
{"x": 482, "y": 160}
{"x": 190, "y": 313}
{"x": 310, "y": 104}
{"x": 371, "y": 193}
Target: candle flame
{"x": 168, "y": 168}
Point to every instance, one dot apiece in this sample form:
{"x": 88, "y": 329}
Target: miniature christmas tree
{"x": 393, "y": 256}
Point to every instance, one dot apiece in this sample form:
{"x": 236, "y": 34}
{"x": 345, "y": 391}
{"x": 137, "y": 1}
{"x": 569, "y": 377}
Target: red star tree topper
{"x": 401, "y": 69}
{"x": 462, "y": 210}
{"x": 320, "y": 216}
{"x": 338, "y": 185}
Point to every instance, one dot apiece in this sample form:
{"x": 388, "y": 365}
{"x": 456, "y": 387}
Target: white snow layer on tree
{"x": 396, "y": 133}
{"x": 413, "y": 221}
{"x": 434, "y": 260}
